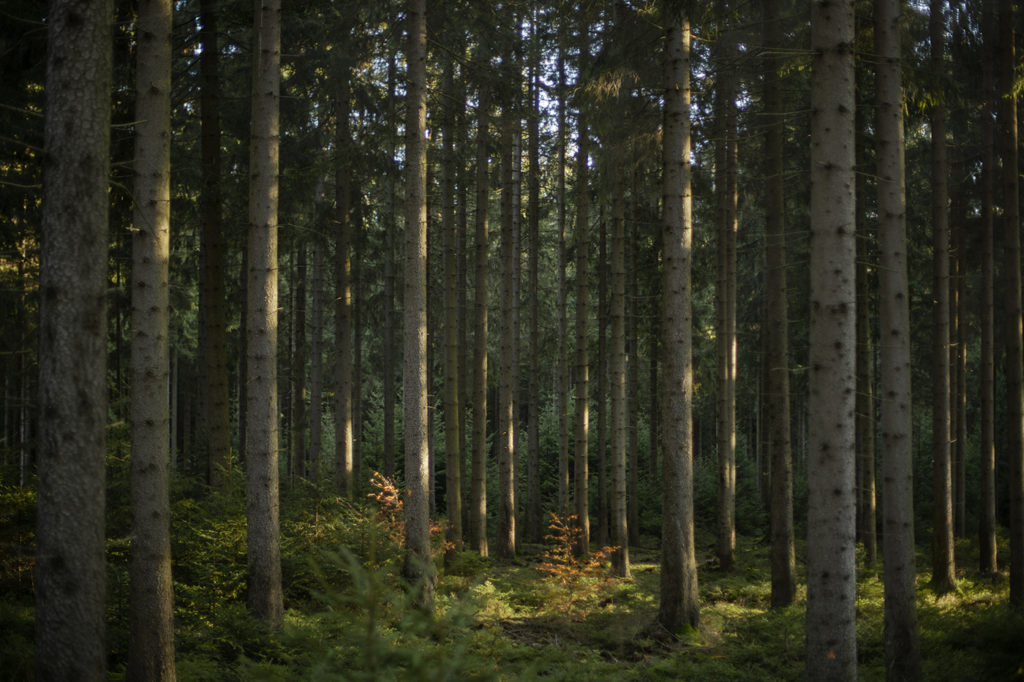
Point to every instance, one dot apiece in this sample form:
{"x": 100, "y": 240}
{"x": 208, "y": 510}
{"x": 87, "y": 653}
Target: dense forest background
{"x": 546, "y": 358}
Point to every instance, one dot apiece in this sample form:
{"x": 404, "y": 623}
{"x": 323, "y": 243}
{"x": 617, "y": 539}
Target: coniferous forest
{"x": 425, "y": 339}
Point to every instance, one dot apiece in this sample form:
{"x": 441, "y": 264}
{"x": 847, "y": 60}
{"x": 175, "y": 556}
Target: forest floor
{"x": 348, "y": 618}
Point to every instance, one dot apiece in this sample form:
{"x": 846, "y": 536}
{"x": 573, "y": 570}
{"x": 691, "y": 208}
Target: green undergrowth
{"x": 350, "y": 617}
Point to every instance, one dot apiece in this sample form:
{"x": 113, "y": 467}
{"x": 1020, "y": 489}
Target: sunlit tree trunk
{"x": 679, "y": 608}
{"x": 262, "y": 505}
{"x": 151, "y": 607}
{"x": 725, "y": 291}
{"x": 581, "y": 450}
{"x": 776, "y": 328}
{"x": 418, "y": 567}
{"x": 943, "y": 564}
{"x": 831, "y": 648}
{"x": 343, "y": 458}
{"x": 902, "y": 645}
{"x": 70, "y": 570}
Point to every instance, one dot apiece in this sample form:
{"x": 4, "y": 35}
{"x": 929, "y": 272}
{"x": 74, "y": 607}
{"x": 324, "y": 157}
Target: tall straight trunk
{"x": 533, "y": 521}
{"x": 831, "y": 649}
{"x": 151, "y": 607}
{"x": 355, "y": 286}
{"x": 600, "y": 401}
{"x": 958, "y": 387}
{"x": 562, "y": 362}
{"x": 478, "y": 490}
{"x": 725, "y": 298}
{"x": 212, "y": 246}
{"x": 987, "y": 551}
{"x": 452, "y": 421}
{"x": 1012, "y": 298}
{"x": 312, "y": 469}
{"x": 418, "y": 567}
{"x": 867, "y": 498}
{"x": 389, "y": 314}
{"x": 619, "y": 515}
{"x": 299, "y": 417}
{"x": 581, "y": 431}
{"x": 262, "y": 505}
{"x": 632, "y": 381}
{"x": 943, "y": 563}
{"x": 679, "y": 608}
{"x": 776, "y": 332}
{"x": 70, "y": 573}
{"x": 506, "y": 426}
{"x": 902, "y": 645}
{"x": 343, "y": 458}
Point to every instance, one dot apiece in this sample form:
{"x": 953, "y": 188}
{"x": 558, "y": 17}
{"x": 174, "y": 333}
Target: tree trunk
{"x": 262, "y": 507}
{"x": 902, "y": 645}
{"x": 70, "y": 577}
{"x": 533, "y": 521}
{"x": 831, "y": 651}
{"x": 943, "y": 564}
{"x": 776, "y": 329}
{"x": 316, "y": 347}
{"x": 478, "y": 491}
{"x": 600, "y": 400}
{"x": 562, "y": 362}
{"x": 390, "y": 253}
{"x": 1012, "y": 299}
{"x": 418, "y": 567}
{"x": 151, "y": 609}
{"x": 679, "y": 608}
{"x": 725, "y": 299}
{"x": 619, "y": 516}
{"x": 988, "y": 555}
{"x": 213, "y": 244}
{"x": 343, "y": 459}
{"x": 452, "y": 422}
{"x": 581, "y": 455}
{"x": 506, "y": 426}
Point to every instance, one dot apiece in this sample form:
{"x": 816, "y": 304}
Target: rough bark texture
{"x": 562, "y": 387}
{"x": 70, "y": 565}
{"x": 776, "y": 330}
{"x": 213, "y": 247}
{"x": 533, "y": 522}
{"x": 1012, "y": 300}
{"x": 943, "y": 564}
{"x": 902, "y": 645}
{"x": 151, "y": 608}
{"x": 679, "y": 608}
{"x": 262, "y": 498}
{"x": 831, "y": 649}
{"x": 316, "y": 362}
{"x": 418, "y": 567}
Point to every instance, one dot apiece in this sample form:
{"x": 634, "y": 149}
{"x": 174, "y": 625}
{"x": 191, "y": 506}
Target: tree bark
{"x": 831, "y": 649}
{"x": 533, "y": 522}
{"x": 776, "y": 330}
{"x": 418, "y": 568}
{"x": 70, "y": 577}
{"x": 943, "y": 563}
{"x": 619, "y": 515}
{"x": 679, "y": 608}
{"x": 262, "y": 505}
{"x": 581, "y": 431}
{"x": 343, "y": 457}
{"x": 478, "y": 491}
{"x": 902, "y": 645}
{"x": 562, "y": 362}
{"x": 151, "y": 610}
